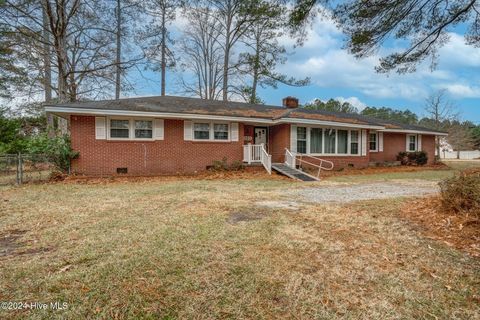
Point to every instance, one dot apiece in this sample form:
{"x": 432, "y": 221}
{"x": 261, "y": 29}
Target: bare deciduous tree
{"x": 460, "y": 138}
{"x": 202, "y": 54}
{"x": 439, "y": 110}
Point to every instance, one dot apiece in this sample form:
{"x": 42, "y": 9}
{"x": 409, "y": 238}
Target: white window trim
{"x": 336, "y": 154}
{"x": 376, "y": 141}
{"x": 212, "y": 131}
{"x": 416, "y": 142}
{"x": 131, "y": 129}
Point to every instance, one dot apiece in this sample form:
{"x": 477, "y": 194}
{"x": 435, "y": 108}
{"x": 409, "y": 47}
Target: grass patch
{"x": 169, "y": 249}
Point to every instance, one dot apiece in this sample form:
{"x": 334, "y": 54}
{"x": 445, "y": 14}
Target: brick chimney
{"x": 290, "y": 102}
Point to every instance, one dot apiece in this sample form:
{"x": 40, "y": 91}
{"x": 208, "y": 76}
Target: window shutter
{"x": 187, "y": 130}
{"x": 380, "y": 142}
{"x": 293, "y": 138}
{"x": 100, "y": 128}
{"x": 364, "y": 142}
{"x": 419, "y": 142}
{"x": 159, "y": 129}
{"x": 407, "y": 141}
{"x": 234, "y": 131}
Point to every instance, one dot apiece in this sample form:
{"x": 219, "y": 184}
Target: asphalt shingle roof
{"x": 173, "y": 104}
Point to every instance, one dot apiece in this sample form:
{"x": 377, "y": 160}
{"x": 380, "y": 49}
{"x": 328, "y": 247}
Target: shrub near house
{"x": 419, "y": 158}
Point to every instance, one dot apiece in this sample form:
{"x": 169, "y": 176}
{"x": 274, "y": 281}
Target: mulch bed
{"x": 456, "y": 230}
{"x": 247, "y": 173}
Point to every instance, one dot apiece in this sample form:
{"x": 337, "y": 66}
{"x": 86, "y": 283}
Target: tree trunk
{"x": 226, "y": 58}
{"x": 256, "y": 66}
{"x": 164, "y": 52}
{"x": 47, "y": 66}
{"x": 47, "y": 71}
{"x": 119, "y": 51}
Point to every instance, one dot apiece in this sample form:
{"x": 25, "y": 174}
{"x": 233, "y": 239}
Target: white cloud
{"x": 323, "y": 59}
{"x": 462, "y": 91}
{"x": 354, "y": 101}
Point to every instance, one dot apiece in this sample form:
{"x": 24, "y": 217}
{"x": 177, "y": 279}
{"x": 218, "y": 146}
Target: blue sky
{"x": 335, "y": 73}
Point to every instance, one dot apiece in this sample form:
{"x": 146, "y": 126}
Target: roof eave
{"x": 415, "y": 131}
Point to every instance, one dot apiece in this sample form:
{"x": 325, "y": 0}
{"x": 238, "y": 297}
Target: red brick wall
{"x": 279, "y": 139}
{"x": 172, "y": 155}
{"x": 428, "y": 145}
{"x": 393, "y": 143}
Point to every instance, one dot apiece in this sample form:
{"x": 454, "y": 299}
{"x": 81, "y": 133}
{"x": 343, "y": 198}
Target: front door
{"x": 261, "y": 135}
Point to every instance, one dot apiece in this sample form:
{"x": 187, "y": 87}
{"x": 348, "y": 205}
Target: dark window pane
{"x": 145, "y": 134}
{"x": 220, "y": 131}
{"x": 302, "y": 146}
{"x": 301, "y": 133}
{"x": 342, "y": 141}
{"x": 119, "y": 124}
{"x": 316, "y": 140}
{"x": 202, "y": 131}
{"x": 202, "y": 135}
{"x": 119, "y": 133}
{"x": 329, "y": 140}
{"x": 354, "y": 148}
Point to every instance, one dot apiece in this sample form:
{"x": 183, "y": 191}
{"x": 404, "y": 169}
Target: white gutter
{"x": 329, "y": 123}
{"x": 415, "y": 131}
{"x": 168, "y": 115}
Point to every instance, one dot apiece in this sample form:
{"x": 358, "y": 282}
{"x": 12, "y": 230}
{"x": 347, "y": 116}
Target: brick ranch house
{"x": 170, "y": 135}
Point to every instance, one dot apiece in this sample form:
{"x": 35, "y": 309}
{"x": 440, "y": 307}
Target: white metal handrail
{"x": 319, "y": 166}
{"x": 289, "y": 158}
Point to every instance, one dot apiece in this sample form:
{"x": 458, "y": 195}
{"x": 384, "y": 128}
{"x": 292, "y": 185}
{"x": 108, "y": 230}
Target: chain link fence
{"x": 24, "y": 168}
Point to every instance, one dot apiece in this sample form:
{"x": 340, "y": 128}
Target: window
{"x": 220, "y": 131}
{"x": 342, "y": 141}
{"x": 412, "y": 143}
{"x": 143, "y": 129}
{"x": 330, "y": 140}
{"x": 201, "y": 131}
{"x": 301, "y": 140}
{"x": 354, "y": 142}
{"x": 372, "y": 141}
{"x": 119, "y": 128}
{"x": 316, "y": 140}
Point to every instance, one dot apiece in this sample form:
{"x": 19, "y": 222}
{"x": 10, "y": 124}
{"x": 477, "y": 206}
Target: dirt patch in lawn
{"x": 272, "y": 204}
{"x": 244, "y": 216}
{"x": 455, "y": 230}
{"x": 11, "y": 244}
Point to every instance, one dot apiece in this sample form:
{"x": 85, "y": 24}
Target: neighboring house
{"x": 168, "y": 135}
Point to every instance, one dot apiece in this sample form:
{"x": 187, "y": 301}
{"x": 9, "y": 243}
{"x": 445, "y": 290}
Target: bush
{"x": 418, "y": 158}
{"x": 222, "y": 165}
{"x": 57, "y": 149}
{"x": 461, "y": 193}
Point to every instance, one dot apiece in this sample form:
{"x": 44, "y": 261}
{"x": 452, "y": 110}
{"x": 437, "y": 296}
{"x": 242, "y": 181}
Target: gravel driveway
{"x": 365, "y": 191}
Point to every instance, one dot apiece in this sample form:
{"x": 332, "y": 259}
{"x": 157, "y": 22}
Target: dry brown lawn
{"x": 208, "y": 249}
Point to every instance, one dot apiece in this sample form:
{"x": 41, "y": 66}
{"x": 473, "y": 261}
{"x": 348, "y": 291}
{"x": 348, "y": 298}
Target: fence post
{"x": 17, "y": 171}
{"x": 20, "y": 167}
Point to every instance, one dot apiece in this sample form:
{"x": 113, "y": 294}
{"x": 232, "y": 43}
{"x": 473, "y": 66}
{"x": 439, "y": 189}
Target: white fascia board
{"x": 329, "y": 123}
{"x": 415, "y": 132}
{"x": 169, "y": 115}
{"x": 166, "y": 115}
